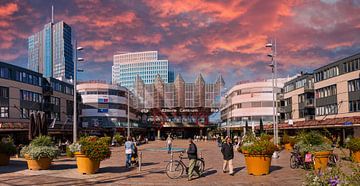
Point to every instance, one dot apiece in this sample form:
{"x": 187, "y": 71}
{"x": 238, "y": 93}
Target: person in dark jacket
{"x": 228, "y": 153}
{"x": 192, "y": 155}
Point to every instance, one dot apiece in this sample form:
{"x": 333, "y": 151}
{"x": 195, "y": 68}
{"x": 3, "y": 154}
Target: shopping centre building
{"x": 179, "y": 108}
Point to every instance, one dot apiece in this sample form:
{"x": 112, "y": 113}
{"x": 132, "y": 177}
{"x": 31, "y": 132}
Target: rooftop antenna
{"x": 52, "y": 13}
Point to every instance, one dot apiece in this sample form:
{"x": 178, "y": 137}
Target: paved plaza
{"x": 112, "y": 171}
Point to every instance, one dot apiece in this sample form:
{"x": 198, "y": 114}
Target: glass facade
{"x": 145, "y": 64}
{"x": 50, "y": 51}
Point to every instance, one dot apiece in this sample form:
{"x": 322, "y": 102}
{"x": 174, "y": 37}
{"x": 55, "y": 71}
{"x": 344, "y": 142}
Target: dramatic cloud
{"x": 203, "y": 36}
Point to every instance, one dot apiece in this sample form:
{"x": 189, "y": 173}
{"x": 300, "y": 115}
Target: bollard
{"x": 171, "y": 160}
{"x": 140, "y": 161}
{"x": 200, "y": 155}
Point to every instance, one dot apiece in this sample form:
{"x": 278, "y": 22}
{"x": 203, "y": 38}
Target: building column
{"x": 158, "y": 134}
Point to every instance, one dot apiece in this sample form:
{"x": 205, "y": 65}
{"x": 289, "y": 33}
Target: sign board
{"x": 103, "y": 110}
{"x": 103, "y": 100}
{"x": 291, "y": 122}
{"x": 348, "y": 123}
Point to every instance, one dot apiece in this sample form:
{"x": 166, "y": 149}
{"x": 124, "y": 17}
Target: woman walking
{"x": 228, "y": 154}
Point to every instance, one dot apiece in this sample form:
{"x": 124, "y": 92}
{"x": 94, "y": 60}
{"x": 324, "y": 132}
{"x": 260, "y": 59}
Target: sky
{"x": 211, "y": 37}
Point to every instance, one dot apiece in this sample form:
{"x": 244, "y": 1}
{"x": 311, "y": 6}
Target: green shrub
{"x": 69, "y": 153}
{"x": 258, "y": 145}
{"x": 119, "y": 138}
{"x": 312, "y": 142}
{"x": 106, "y": 140}
{"x": 7, "y": 146}
{"x": 41, "y": 147}
{"x": 353, "y": 144}
{"x": 95, "y": 148}
{"x": 288, "y": 139}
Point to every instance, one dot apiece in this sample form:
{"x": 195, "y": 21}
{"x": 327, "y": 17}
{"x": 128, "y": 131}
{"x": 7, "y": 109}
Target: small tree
{"x": 261, "y": 126}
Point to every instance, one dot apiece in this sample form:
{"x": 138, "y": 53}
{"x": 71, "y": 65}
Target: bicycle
{"x": 332, "y": 160}
{"x": 176, "y": 168}
{"x": 297, "y": 160}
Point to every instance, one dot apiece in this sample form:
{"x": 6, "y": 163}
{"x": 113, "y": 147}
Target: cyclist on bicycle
{"x": 192, "y": 155}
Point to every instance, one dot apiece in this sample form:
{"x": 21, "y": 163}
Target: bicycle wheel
{"x": 200, "y": 165}
{"x": 174, "y": 169}
{"x": 293, "y": 162}
{"x": 332, "y": 160}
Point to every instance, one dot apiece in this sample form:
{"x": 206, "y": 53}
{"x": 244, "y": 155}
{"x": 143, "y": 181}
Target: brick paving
{"x": 112, "y": 171}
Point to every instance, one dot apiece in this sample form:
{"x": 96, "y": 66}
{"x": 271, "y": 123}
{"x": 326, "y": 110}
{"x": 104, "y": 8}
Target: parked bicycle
{"x": 332, "y": 160}
{"x": 176, "y": 168}
{"x": 297, "y": 160}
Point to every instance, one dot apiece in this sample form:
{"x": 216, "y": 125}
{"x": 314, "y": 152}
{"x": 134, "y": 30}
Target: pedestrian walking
{"x": 129, "y": 148}
{"x": 169, "y": 141}
{"x": 227, "y": 150}
{"x": 192, "y": 155}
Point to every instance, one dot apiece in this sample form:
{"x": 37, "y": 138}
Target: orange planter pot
{"x": 41, "y": 164}
{"x": 4, "y": 159}
{"x": 257, "y": 165}
{"x": 85, "y": 165}
{"x": 321, "y": 160}
{"x": 288, "y": 147}
{"x": 356, "y": 156}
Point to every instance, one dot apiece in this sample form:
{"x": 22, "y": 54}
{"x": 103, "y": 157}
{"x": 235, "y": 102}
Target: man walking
{"x": 129, "y": 148}
{"x": 192, "y": 155}
{"x": 228, "y": 153}
{"x": 169, "y": 143}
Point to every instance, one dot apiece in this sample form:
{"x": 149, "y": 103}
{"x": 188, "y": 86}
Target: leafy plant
{"x": 286, "y": 139}
{"x": 41, "y": 147}
{"x": 353, "y": 144}
{"x": 69, "y": 153}
{"x": 313, "y": 141}
{"x": 7, "y": 146}
{"x": 95, "y": 148}
{"x": 334, "y": 176}
{"x": 119, "y": 138}
{"x": 258, "y": 145}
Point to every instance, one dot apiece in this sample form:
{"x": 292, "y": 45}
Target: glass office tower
{"x": 126, "y": 66}
{"x": 50, "y": 51}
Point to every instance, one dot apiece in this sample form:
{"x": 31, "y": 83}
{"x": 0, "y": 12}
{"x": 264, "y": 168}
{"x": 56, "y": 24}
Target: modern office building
{"x": 126, "y": 66}
{"x": 50, "y": 51}
{"x": 23, "y": 91}
{"x": 106, "y": 106}
{"x": 179, "y": 108}
{"x": 250, "y": 102}
{"x": 298, "y": 101}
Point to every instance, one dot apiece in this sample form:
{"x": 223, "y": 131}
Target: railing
{"x": 309, "y": 102}
{"x": 309, "y": 87}
{"x": 309, "y": 117}
{"x": 281, "y": 110}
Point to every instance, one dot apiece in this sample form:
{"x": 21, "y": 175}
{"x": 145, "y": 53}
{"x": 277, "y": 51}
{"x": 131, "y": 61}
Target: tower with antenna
{"x": 50, "y": 51}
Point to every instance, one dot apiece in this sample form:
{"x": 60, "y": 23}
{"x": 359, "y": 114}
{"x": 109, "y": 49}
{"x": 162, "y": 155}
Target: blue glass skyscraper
{"x": 51, "y": 52}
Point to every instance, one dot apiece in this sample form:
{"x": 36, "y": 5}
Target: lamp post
{"x": 273, "y": 66}
{"x": 75, "y": 101}
{"x": 128, "y": 113}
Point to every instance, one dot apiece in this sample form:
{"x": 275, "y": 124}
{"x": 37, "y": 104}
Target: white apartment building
{"x": 126, "y": 66}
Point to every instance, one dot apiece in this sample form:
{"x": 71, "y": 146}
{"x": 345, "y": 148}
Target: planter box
{"x": 4, "y": 159}
{"x": 257, "y": 165}
{"x": 355, "y": 156}
{"x": 85, "y": 165}
{"x": 41, "y": 164}
{"x": 321, "y": 160}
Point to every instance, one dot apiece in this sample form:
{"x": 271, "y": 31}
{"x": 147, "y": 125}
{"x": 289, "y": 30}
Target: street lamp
{"x": 273, "y": 66}
{"x": 75, "y": 79}
{"x": 128, "y": 113}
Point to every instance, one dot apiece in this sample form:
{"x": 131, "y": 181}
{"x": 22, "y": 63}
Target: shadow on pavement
{"x": 148, "y": 164}
{"x": 275, "y": 168}
{"x": 14, "y": 166}
{"x": 209, "y": 172}
{"x": 62, "y": 166}
{"x": 113, "y": 169}
{"x": 237, "y": 169}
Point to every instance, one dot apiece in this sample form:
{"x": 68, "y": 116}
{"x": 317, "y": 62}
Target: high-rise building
{"x": 50, "y": 51}
{"x": 127, "y": 66}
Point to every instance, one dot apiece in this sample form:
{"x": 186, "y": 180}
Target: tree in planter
{"x": 89, "y": 151}
{"x": 258, "y": 152}
{"x": 119, "y": 138}
{"x": 7, "y": 149}
{"x": 317, "y": 144}
{"x": 354, "y": 146}
{"x": 40, "y": 152}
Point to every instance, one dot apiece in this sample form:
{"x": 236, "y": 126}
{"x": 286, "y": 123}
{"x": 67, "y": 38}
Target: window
{"x": 354, "y": 85}
{"x": 326, "y": 91}
{"x": 30, "y": 96}
{"x": 327, "y": 110}
{"x": 354, "y": 106}
{"x": 4, "y": 92}
{"x": 4, "y": 112}
{"x": 4, "y": 72}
